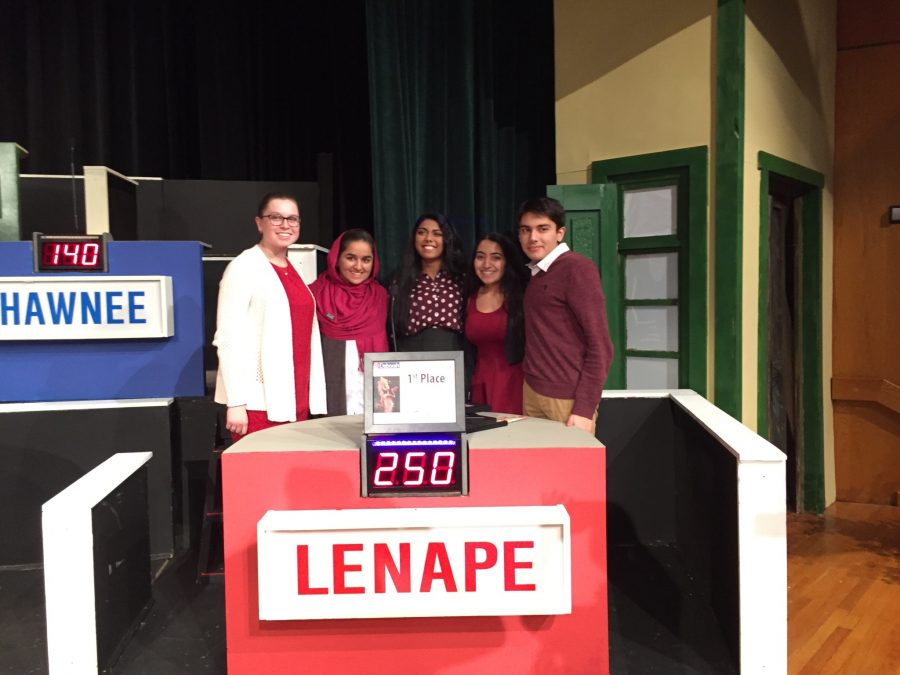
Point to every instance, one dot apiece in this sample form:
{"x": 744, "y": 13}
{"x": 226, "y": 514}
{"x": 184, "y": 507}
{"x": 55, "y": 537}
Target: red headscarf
{"x": 348, "y": 312}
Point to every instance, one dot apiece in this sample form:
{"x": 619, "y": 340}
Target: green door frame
{"x": 692, "y": 163}
{"x": 730, "y": 74}
{"x": 810, "y": 315}
{"x": 587, "y": 207}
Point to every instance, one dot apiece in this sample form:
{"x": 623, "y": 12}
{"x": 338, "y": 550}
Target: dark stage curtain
{"x": 462, "y": 107}
{"x": 191, "y": 90}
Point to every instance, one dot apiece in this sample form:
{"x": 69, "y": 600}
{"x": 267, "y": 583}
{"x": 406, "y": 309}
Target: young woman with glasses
{"x": 426, "y": 293}
{"x": 351, "y": 307}
{"x": 267, "y": 334}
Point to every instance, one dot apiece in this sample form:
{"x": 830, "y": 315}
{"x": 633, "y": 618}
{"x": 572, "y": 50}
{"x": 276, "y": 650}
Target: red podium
{"x": 315, "y": 466}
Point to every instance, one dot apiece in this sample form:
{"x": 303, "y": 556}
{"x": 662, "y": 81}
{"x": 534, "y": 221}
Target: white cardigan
{"x": 253, "y": 338}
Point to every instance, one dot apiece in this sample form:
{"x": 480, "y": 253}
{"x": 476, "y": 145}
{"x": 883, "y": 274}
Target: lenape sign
{"x": 478, "y": 561}
{"x": 86, "y": 308}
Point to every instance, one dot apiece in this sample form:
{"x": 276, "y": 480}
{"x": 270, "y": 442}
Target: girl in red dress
{"x": 495, "y": 325}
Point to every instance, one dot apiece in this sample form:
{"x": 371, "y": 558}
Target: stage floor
{"x": 656, "y": 624}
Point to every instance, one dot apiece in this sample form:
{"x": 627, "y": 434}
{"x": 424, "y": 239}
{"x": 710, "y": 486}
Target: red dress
{"x": 494, "y": 382}
{"x": 302, "y": 310}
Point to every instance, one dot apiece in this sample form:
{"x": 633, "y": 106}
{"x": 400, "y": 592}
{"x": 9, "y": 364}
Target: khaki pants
{"x": 558, "y": 409}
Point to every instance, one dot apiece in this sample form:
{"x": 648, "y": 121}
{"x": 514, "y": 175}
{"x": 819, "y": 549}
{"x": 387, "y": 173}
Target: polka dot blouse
{"x": 434, "y": 302}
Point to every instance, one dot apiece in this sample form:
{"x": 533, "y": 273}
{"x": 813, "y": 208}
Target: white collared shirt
{"x": 544, "y": 263}
{"x": 353, "y": 379}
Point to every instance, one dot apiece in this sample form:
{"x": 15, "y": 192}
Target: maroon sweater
{"x": 567, "y": 345}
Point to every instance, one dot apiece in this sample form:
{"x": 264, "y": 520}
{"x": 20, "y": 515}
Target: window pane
{"x": 650, "y": 211}
{"x": 647, "y": 373}
{"x": 652, "y": 328}
{"x": 651, "y": 276}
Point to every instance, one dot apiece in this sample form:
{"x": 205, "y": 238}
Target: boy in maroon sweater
{"x": 567, "y": 345}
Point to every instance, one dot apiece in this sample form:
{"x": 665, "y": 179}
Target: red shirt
{"x": 302, "y": 308}
{"x": 495, "y": 381}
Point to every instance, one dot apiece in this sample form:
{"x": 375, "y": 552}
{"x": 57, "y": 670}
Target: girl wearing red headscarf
{"x": 352, "y": 310}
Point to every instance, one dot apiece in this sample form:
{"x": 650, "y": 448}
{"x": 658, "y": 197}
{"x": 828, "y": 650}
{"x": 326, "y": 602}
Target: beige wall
{"x": 789, "y": 112}
{"x": 631, "y": 78}
{"x": 638, "y": 76}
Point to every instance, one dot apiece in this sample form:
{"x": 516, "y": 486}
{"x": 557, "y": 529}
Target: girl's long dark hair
{"x": 514, "y": 279}
{"x": 453, "y": 262}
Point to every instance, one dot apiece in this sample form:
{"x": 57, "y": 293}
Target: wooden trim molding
{"x": 867, "y": 389}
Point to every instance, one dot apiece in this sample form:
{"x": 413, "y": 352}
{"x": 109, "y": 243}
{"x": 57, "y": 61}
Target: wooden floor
{"x": 844, "y": 591}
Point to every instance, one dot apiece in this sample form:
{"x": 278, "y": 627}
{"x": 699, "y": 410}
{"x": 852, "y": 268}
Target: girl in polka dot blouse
{"x": 427, "y": 307}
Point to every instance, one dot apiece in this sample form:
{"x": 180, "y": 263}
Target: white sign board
{"x": 375, "y": 563}
{"x": 86, "y": 308}
{"x": 407, "y": 392}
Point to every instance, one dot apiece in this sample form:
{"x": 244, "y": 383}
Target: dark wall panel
{"x": 41, "y": 453}
{"x": 221, "y": 213}
{"x": 122, "y": 204}
{"x": 706, "y": 509}
{"x": 672, "y": 523}
{"x": 640, "y": 461}
{"x": 51, "y": 205}
{"x": 121, "y": 565}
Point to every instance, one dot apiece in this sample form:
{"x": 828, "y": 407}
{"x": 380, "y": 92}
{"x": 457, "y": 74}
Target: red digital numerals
{"x": 414, "y": 469}
{"x": 85, "y": 255}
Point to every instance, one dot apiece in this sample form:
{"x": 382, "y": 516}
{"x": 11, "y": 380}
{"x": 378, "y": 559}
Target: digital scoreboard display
{"x": 414, "y": 424}
{"x": 410, "y": 465}
{"x": 69, "y": 253}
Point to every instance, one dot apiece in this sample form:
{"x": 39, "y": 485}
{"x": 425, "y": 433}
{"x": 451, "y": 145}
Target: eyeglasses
{"x": 277, "y": 219}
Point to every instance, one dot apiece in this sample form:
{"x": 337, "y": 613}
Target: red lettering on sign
{"x": 472, "y": 564}
{"x": 436, "y": 556}
{"x": 510, "y": 565}
{"x": 341, "y": 567}
{"x": 400, "y": 576}
{"x": 478, "y": 556}
{"x": 303, "y": 587}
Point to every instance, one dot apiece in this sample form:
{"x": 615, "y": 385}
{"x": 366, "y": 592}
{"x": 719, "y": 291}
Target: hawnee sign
{"x": 86, "y": 308}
